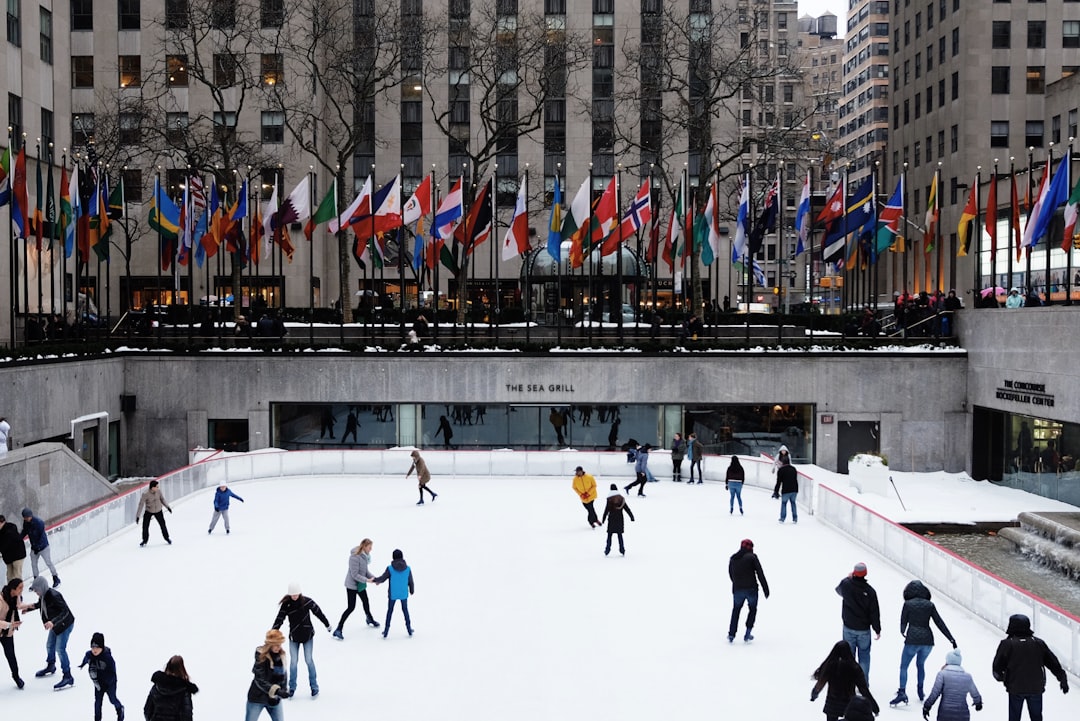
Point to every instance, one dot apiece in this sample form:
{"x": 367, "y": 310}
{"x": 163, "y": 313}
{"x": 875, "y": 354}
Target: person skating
{"x": 59, "y": 622}
{"x": 733, "y": 482}
{"x": 781, "y": 455}
{"x": 268, "y": 683}
{"x": 695, "y": 453}
{"x": 356, "y": 581}
{"x": 222, "y": 496}
{"x": 1019, "y": 662}
{"x": 102, "y": 674}
{"x": 678, "y": 452}
{"x": 915, "y": 617}
{"x": 744, "y": 570}
{"x": 152, "y": 502}
{"x": 423, "y": 476}
{"x": 585, "y": 486}
{"x": 613, "y": 513}
{"x": 33, "y": 528}
{"x": 843, "y": 677}
{"x": 860, "y": 613}
{"x": 170, "y": 696}
{"x": 641, "y": 470}
{"x": 401, "y": 587}
{"x": 12, "y": 548}
{"x": 298, "y": 608}
{"x": 787, "y": 490}
{"x": 953, "y": 685}
{"x": 9, "y": 624}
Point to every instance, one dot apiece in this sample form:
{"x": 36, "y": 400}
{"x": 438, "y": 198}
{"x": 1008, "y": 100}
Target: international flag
{"x": 1029, "y": 227}
{"x": 295, "y": 209}
{"x": 20, "y": 204}
{"x": 211, "y": 237}
{"x": 932, "y": 215}
{"x": 767, "y": 219}
{"x": 326, "y": 211}
{"x": 577, "y": 218}
{"x": 674, "y": 239}
{"x": 387, "y": 202}
{"x": 39, "y": 209}
{"x": 640, "y": 211}
{"x": 967, "y": 217}
{"x": 165, "y": 219}
{"x": 478, "y": 226}
{"x": 604, "y": 220}
{"x": 51, "y": 227}
{"x": 802, "y": 217}
{"x": 187, "y": 223}
{"x": 361, "y": 204}
{"x": 450, "y": 211}
{"x": 1071, "y": 212}
{"x": 231, "y": 225}
{"x": 888, "y": 225}
{"x": 742, "y": 220}
{"x": 554, "y": 238}
{"x": 863, "y": 209}
{"x": 100, "y": 227}
{"x": 1015, "y": 219}
{"x": 267, "y": 215}
{"x": 66, "y": 212}
{"x": 419, "y": 205}
{"x": 710, "y": 248}
{"x": 654, "y": 242}
{"x": 1056, "y": 193}
{"x": 991, "y": 214}
{"x": 5, "y": 177}
{"x": 516, "y": 241}
{"x": 200, "y": 230}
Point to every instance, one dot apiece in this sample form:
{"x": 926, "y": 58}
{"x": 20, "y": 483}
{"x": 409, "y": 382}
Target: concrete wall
{"x": 51, "y": 479}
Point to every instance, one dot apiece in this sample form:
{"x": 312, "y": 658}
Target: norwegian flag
{"x": 640, "y": 211}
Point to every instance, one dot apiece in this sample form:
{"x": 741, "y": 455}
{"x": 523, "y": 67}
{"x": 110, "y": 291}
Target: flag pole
{"x": 63, "y": 240}
{"x": 493, "y": 313}
{"x": 619, "y": 252}
{"x": 38, "y": 232}
{"x": 810, "y": 249}
{"x": 526, "y": 297}
{"x": 189, "y": 235}
{"x": 993, "y": 246}
{"x": 977, "y": 231}
{"x": 11, "y": 234}
{"x": 1046, "y": 279}
{"x": 1066, "y": 243}
{"x": 436, "y": 253}
{"x": 311, "y": 259}
{"x": 558, "y": 271}
{"x": 161, "y": 240}
{"x": 1031, "y": 182}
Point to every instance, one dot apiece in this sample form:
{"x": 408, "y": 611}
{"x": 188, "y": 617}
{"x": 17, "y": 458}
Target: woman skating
{"x": 356, "y": 581}
{"x": 268, "y": 685}
{"x": 170, "y": 697}
{"x": 843, "y": 676}
{"x": 613, "y": 514}
{"x": 298, "y": 608}
{"x": 678, "y": 452}
{"x": 733, "y": 482}
{"x": 9, "y": 624}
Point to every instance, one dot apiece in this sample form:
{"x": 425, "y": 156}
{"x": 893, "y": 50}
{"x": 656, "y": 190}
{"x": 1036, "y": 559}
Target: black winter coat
{"x": 12, "y": 547}
{"x": 613, "y": 513}
{"x": 102, "y": 668}
{"x": 787, "y": 480}
{"x": 744, "y": 569}
{"x": 845, "y": 679}
{"x": 916, "y": 615}
{"x": 169, "y": 698}
{"x": 1021, "y": 657}
{"x": 299, "y": 612}
{"x": 860, "y": 611}
{"x": 267, "y": 674}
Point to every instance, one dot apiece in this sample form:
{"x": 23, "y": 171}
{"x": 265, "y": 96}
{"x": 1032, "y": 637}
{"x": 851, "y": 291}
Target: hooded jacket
{"x": 401, "y": 579}
{"x": 953, "y": 684}
{"x": 860, "y": 611}
{"x": 641, "y": 462}
{"x": 52, "y": 606}
{"x": 613, "y": 512}
{"x": 1021, "y": 658}
{"x": 102, "y": 668}
{"x": 916, "y": 615}
{"x": 169, "y": 698}
{"x": 744, "y": 569}
{"x": 34, "y": 529}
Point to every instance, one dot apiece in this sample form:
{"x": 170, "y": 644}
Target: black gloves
{"x": 283, "y": 693}
{"x": 954, "y": 643}
{"x": 169, "y": 509}
{"x": 1064, "y": 685}
{"x": 813, "y": 696}
{"x": 926, "y": 713}
{"x": 776, "y": 495}
{"x": 978, "y": 707}
{"x": 137, "y": 519}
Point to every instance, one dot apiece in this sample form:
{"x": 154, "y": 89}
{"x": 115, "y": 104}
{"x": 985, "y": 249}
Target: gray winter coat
{"x": 358, "y": 570}
{"x": 916, "y": 615}
{"x": 953, "y": 684}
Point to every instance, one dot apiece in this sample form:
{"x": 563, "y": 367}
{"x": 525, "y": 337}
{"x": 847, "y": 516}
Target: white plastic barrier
{"x": 991, "y": 598}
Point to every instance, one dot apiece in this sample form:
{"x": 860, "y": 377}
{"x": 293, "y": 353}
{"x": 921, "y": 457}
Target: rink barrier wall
{"x": 211, "y": 468}
{"x": 989, "y": 597}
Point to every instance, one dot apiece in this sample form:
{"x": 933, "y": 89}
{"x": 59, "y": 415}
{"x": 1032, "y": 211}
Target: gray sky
{"x": 817, "y": 7}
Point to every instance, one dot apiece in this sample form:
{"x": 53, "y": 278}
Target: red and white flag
{"x": 517, "y": 235}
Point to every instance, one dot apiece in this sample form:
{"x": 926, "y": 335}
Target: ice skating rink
{"x": 517, "y": 613}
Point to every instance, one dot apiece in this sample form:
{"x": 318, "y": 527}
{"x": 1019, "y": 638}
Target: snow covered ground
{"x": 517, "y": 612}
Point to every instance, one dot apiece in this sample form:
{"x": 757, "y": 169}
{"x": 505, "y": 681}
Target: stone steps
{"x": 1054, "y": 538}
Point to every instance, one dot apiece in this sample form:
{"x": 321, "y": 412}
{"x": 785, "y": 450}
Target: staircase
{"x": 1051, "y": 537}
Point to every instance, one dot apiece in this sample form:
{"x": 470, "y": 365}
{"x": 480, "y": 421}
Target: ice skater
{"x": 356, "y": 580}
{"x": 33, "y": 528}
{"x": 695, "y": 453}
{"x": 221, "y": 506}
{"x": 744, "y": 570}
{"x": 102, "y": 674}
{"x": 423, "y": 476}
{"x": 613, "y": 514}
{"x": 401, "y": 587}
{"x": 59, "y": 621}
{"x": 298, "y": 608}
{"x": 9, "y": 624}
{"x": 915, "y": 617}
{"x": 678, "y": 452}
{"x": 268, "y": 683}
{"x": 860, "y": 613}
{"x": 953, "y": 685}
{"x": 843, "y": 677}
{"x": 12, "y": 548}
{"x": 170, "y": 696}
{"x": 733, "y": 482}
{"x": 152, "y": 502}
{"x": 641, "y": 469}
{"x": 1019, "y": 662}
{"x": 585, "y": 486}
{"x": 787, "y": 490}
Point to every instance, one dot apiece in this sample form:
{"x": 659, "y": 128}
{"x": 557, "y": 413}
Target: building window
{"x": 176, "y": 125}
{"x": 999, "y": 133}
{"x": 130, "y": 130}
{"x": 1033, "y": 133}
{"x": 1036, "y": 80}
{"x": 225, "y": 125}
{"x": 82, "y": 129}
{"x": 1036, "y": 34}
{"x": 82, "y": 14}
{"x": 954, "y": 138}
{"x": 1072, "y": 123}
{"x": 45, "y": 37}
{"x": 999, "y": 79}
{"x": 82, "y": 71}
{"x": 956, "y": 86}
{"x": 224, "y": 70}
{"x": 272, "y": 13}
{"x": 273, "y": 126}
{"x": 918, "y": 153}
{"x": 1055, "y": 129}
{"x": 176, "y": 66}
{"x": 1070, "y": 34}
{"x": 1001, "y": 34}
{"x": 176, "y": 14}
{"x": 130, "y": 15}
{"x": 48, "y": 129}
{"x": 222, "y": 13}
{"x": 955, "y": 42}
{"x": 130, "y": 71}
{"x": 15, "y": 115}
{"x": 941, "y": 143}
{"x": 14, "y": 22}
{"x": 133, "y": 186}
{"x": 268, "y": 178}
{"x": 273, "y": 68}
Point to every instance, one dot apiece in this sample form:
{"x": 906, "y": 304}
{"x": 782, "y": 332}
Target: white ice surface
{"x": 518, "y": 614}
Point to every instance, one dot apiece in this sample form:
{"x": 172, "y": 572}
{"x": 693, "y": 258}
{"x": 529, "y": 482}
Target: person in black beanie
{"x": 1019, "y": 663}
{"x": 102, "y": 674}
{"x": 787, "y": 490}
{"x": 744, "y": 569}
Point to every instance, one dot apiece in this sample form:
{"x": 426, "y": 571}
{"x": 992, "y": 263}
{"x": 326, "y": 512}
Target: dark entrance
{"x": 989, "y": 444}
{"x": 855, "y": 437}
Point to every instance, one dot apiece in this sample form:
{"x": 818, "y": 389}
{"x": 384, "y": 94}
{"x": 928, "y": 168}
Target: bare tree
{"x": 489, "y": 84}
{"x": 710, "y": 86}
